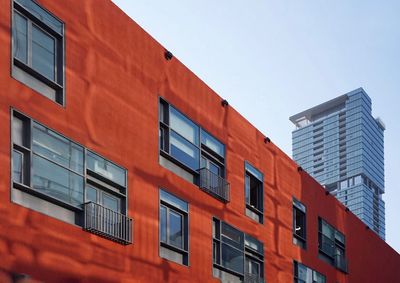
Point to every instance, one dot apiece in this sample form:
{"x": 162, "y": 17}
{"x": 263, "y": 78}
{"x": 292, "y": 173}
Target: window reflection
{"x": 163, "y": 224}
{"x": 43, "y": 53}
{"x": 57, "y": 182}
{"x": 184, "y": 126}
{"x": 105, "y": 168}
{"x": 57, "y": 148}
{"x": 17, "y": 166}
{"x": 175, "y": 229}
{"x": 184, "y": 151}
{"x": 232, "y": 258}
{"x": 20, "y": 42}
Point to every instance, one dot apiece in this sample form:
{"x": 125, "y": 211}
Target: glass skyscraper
{"x": 340, "y": 144}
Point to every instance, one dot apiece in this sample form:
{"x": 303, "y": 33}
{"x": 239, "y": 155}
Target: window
{"x": 47, "y": 163}
{"x": 304, "y": 274}
{"x": 254, "y": 192}
{"x": 174, "y": 225}
{"x": 299, "y": 224}
{"x": 236, "y": 256}
{"x": 105, "y": 199}
{"x": 191, "y": 152}
{"x": 51, "y": 171}
{"x": 38, "y": 49}
{"x": 332, "y": 247}
{"x": 105, "y": 183}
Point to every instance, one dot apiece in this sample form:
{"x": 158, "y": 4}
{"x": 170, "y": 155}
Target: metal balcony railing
{"x": 214, "y": 184}
{"x": 107, "y": 223}
{"x": 341, "y": 263}
{"x": 252, "y": 278}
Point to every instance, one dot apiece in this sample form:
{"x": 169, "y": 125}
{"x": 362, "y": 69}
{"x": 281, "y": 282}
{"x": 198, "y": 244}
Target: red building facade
{"x": 118, "y": 164}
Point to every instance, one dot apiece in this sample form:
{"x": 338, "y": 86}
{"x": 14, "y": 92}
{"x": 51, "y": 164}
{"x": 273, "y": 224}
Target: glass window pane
{"x": 106, "y": 169}
{"x": 299, "y": 205}
{"x": 214, "y": 168}
{"x": 184, "y": 126}
{"x": 162, "y": 140}
{"x": 215, "y": 229}
{"x": 232, "y": 258}
{"x": 203, "y": 162}
{"x": 91, "y": 194}
{"x": 252, "y": 267}
{"x": 17, "y": 166}
{"x": 255, "y": 192}
{"x": 327, "y": 230}
{"x": 318, "y": 277}
{"x": 178, "y": 203}
{"x": 300, "y": 223}
{"x": 339, "y": 237}
{"x": 42, "y": 14}
{"x": 43, "y": 53}
{"x": 110, "y": 202}
{"x": 247, "y": 188}
{"x": 163, "y": 224}
{"x": 302, "y": 272}
{"x": 212, "y": 143}
{"x": 57, "y": 148}
{"x": 254, "y": 244}
{"x": 20, "y": 38}
{"x": 175, "y": 229}
{"x": 339, "y": 251}
{"x": 216, "y": 253}
{"x": 232, "y": 236}
{"x": 184, "y": 151}
{"x": 18, "y": 131}
{"x": 57, "y": 182}
{"x": 247, "y": 264}
{"x": 253, "y": 171}
{"x": 163, "y": 112}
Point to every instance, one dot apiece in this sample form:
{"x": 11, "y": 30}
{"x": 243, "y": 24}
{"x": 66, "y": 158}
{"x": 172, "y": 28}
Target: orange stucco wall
{"x": 114, "y": 74}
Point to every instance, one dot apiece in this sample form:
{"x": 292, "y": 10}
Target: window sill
{"x": 254, "y": 214}
{"x": 299, "y": 238}
{"x": 178, "y": 163}
{"x": 36, "y": 74}
{"x": 173, "y": 248}
{"x": 225, "y": 269}
{"x": 29, "y": 190}
{"x": 42, "y": 85}
{"x": 254, "y": 209}
{"x": 300, "y": 242}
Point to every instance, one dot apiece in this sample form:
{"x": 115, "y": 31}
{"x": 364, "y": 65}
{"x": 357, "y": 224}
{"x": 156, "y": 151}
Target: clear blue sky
{"x": 272, "y": 59}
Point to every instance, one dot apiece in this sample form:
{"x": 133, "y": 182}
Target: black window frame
{"x": 54, "y": 89}
{"x": 88, "y": 176}
{"x": 328, "y": 248}
{"x": 314, "y": 273}
{"x": 300, "y": 209}
{"x": 202, "y": 150}
{"x": 254, "y": 212}
{"x": 167, "y": 249}
{"x": 248, "y": 251}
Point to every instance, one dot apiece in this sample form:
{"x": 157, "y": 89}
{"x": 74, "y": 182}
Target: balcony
{"x": 341, "y": 263}
{"x": 107, "y": 223}
{"x": 214, "y": 184}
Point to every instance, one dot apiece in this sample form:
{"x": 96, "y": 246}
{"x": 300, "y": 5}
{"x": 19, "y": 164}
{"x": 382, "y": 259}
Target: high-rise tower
{"x": 341, "y": 145}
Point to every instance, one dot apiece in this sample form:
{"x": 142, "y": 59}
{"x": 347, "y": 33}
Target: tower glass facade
{"x": 341, "y": 145}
